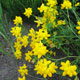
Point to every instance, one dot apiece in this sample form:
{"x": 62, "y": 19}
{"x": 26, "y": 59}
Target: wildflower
{"x": 45, "y": 68}
{"x": 39, "y": 49}
{"x": 77, "y": 4}
{"x": 25, "y": 41}
{"x": 28, "y": 12}
{"x": 17, "y": 45}
{"x": 38, "y": 21}
{"x": 42, "y": 8}
{"x": 17, "y": 20}
{"x": 52, "y": 3}
{"x": 61, "y": 22}
{"x": 18, "y": 54}
{"x": 16, "y": 31}
{"x": 66, "y": 4}
{"x": 68, "y": 68}
{"x": 28, "y": 56}
{"x": 42, "y": 33}
{"x": 23, "y": 70}
{"x": 23, "y": 78}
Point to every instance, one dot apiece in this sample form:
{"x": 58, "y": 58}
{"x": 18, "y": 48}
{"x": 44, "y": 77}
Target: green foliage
{"x": 4, "y": 27}
{"x": 17, "y": 7}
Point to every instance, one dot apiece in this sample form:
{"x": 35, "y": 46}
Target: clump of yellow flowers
{"x": 28, "y": 12}
{"x": 44, "y": 67}
{"x": 66, "y": 4}
{"x": 23, "y": 71}
{"x": 68, "y": 68}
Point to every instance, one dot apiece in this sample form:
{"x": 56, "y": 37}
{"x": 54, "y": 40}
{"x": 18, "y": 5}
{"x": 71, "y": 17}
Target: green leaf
{"x": 0, "y": 12}
{"x": 4, "y": 52}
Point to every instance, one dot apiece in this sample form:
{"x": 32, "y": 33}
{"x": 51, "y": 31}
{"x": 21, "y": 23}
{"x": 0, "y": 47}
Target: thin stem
{"x": 36, "y": 77}
{"x": 65, "y": 58}
{"x": 70, "y": 24}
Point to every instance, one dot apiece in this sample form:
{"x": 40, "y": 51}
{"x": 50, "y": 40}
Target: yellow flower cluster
{"x": 23, "y": 71}
{"x": 66, "y": 4}
{"x": 49, "y": 14}
{"x": 61, "y": 22}
{"x": 77, "y": 4}
{"x": 39, "y": 49}
{"x": 45, "y": 68}
{"x": 20, "y": 41}
{"x": 16, "y": 31}
{"x": 28, "y": 56}
{"x": 52, "y": 3}
{"x": 17, "y": 20}
{"x": 68, "y": 68}
{"x": 78, "y": 27}
{"x": 28, "y": 12}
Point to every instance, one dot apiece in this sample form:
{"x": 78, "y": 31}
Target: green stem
{"x": 70, "y": 24}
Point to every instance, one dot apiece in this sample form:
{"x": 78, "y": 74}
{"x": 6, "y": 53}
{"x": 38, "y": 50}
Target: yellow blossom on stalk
{"x": 45, "y": 68}
{"x": 25, "y": 41}
{"x": 18, "y": 54}
{"x": 28, "y": 56}
{"x": 42, "y": 8}
{"x": 42, "y": 33}
{"x": 38, "y": 21}
{"x": 52, "y": 3}
{"x": 18, "y": 20}
{"x": 17, "y": 45}
{"x": 16, "y": 31}
{"x": 61, "y": 22}
{"x": 77, "y": 4}
{"x": 39, "y": 49}
{"x": 68, "y": 69}
{"x": 23, "y": 78}
{"x": 19, "y": 39}
{"x": 23, "y": 70}
{"x": 66, "y": 4}
{"x": 31, "y": 33}
{"x": 28, "y": 12}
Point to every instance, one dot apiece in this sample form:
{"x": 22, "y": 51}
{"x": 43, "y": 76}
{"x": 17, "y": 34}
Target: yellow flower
{"x": 45, "y": 68}
{"x": 38, "y": 21}
{"x": 18, "y": 54}
{"x": 42, "y": 8}
{"x": 42, "y": 33}
{"x": 61, "y": 22}
{"x": 25, "y": 41}
{"x": 66, "y": 4}
{"x": 39, "y": 49}
{"x": 78, "y": 23}
{"x": 18, "y": 20}
{"x": 28, "y": 12}
{"x": 68, "y": 68}
{"x": 17, "y": 45}
{"x": 52, "y": 3}
{"x": 23, "y": 70}
{"x": 16, "y": 31}
{"x": 77, "y": 4}
{"x": 28, "y": 56}
{"x": 23, "y": 78}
